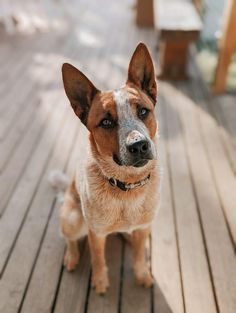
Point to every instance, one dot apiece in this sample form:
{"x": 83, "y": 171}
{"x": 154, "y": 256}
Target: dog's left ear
{"x": 141, "y": 71}
{"x": 79, "y": 90}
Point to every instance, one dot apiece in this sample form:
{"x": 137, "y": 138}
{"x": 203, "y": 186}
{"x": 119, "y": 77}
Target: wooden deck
{"x": 193, "y": 243}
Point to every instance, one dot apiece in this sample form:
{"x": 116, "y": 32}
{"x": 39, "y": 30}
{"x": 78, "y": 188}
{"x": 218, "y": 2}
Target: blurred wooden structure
{"x": 227, "y": 47}
{"x": 199, "y": 6}
{"x": 193, "y": 243}
{"x": 145, "y": 13}
{"x": 178, "y": 25}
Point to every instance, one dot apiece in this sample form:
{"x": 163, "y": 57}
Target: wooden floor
{"x": 193, "y": 243}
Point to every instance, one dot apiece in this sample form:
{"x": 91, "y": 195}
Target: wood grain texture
{"x": 220, "y": 253}
{"x": 167, "y": 295}
{"x": 192, "y": 248}
{"x": 198, "y": 294}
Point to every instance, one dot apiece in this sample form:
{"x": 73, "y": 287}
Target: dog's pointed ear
{"x": 141, "y": 71}
{"x": 79, "y": 90}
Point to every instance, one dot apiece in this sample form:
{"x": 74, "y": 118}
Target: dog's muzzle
{"x": 139, "y": 148}
{"x": 136, "y": 150}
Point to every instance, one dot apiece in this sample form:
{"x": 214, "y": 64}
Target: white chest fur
{"x": 105, "y": 213}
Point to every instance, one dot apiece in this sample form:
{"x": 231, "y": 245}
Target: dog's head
{"x": 121, "y": 123}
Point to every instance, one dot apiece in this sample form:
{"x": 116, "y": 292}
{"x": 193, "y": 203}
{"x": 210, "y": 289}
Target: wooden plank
{"x": 74, "y": 286}
{"x": 17, "y": 99}
{"x": 13, "y": 54}
{"x": 228, "y": 109}
{"x": 50, "y": 259}
{"x": 14, "y": 281}
{"x": 16, "y": 59}
{"x": 16, "y": 134}
{"x": 47, "y": 270}
{"x": 13, "y": 68}
{"x": 110, "y": 301}
{"x": 139, "y": 300}
{"x": 15, "y": 107}
{"x": 223, "y": 108}
{"x": 220, "y": 253}
{"x": 167, "y": 295}
{"x": 10, "y": 222}
{"x": 221, "y": 169}
{"x": 31, "y": 102}
{"x": 198, "y": 293}
{"x": 9, "y": 177}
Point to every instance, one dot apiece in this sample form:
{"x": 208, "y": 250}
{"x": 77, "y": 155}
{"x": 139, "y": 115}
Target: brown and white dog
{"x": 116, "y": 183}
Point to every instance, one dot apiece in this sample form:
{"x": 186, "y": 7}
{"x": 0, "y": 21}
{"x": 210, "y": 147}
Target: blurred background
{"x": 193, "y": 243}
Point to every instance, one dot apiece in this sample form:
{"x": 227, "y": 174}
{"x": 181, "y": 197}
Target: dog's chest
{"x": 106, "y": 211}
{"x": 107, "y": 215}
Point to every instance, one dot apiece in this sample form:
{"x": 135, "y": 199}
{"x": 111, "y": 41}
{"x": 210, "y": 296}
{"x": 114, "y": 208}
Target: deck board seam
{"x": 173, "y": 204}
{"x": 28, "y": 207}
{"x": 200, "y": 219}
{"x": 205, "y": 103}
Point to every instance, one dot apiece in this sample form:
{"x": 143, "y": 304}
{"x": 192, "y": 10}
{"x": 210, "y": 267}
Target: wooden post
{"x": 199, "y": 6}
{"x": 173, "y": 59}
{"x": 145, "y": 13}
{"x": 227, "y": 46}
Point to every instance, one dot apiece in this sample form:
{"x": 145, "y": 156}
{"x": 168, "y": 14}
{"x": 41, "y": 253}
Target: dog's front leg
{"x": 99, "y": 269}
{"x": 141, "y": 269}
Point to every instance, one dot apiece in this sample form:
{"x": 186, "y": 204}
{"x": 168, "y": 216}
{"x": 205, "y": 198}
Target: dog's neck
{"x": 125, "y": 174}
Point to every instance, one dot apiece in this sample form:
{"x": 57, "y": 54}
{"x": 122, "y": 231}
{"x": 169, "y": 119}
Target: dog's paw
{"x": 146, "y": 280}
{"x": 71, "y": 260}
{"x": 100, "y": 282}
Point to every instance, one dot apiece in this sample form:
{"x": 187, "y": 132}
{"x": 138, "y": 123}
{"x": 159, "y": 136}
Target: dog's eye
{"x": 142, "y": 113}
{"x": 107, "y": 123}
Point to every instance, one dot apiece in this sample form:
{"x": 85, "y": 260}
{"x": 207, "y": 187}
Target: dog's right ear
{"x": 79, "y": 90}
{"x": 141, "y": 71}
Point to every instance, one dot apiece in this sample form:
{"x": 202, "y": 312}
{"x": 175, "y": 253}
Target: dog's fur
{"x": 92, "y": 205}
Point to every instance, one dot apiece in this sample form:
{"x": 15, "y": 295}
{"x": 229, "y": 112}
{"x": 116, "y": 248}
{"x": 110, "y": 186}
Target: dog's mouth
{"x": 135, "y": 163}
{"x": 140, "y": 163}
{"x": 117, "y": 160}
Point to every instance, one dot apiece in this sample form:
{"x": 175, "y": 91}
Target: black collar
{"x": 126, "y": 187}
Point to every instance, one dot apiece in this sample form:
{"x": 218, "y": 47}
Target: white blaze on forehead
{"x": 123, "y": 108}
{"x": 127, "y": 119}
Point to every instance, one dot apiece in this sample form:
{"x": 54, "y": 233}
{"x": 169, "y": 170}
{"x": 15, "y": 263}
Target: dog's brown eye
{"x": 142, "y": 113}
{"x": 107, "y": 123}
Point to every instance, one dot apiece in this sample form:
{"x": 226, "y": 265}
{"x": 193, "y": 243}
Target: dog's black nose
{"x": 139, "y": 148}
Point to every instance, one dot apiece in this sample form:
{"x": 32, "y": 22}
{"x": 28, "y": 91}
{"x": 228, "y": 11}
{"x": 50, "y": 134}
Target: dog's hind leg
{"x": 72, "y": 226}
